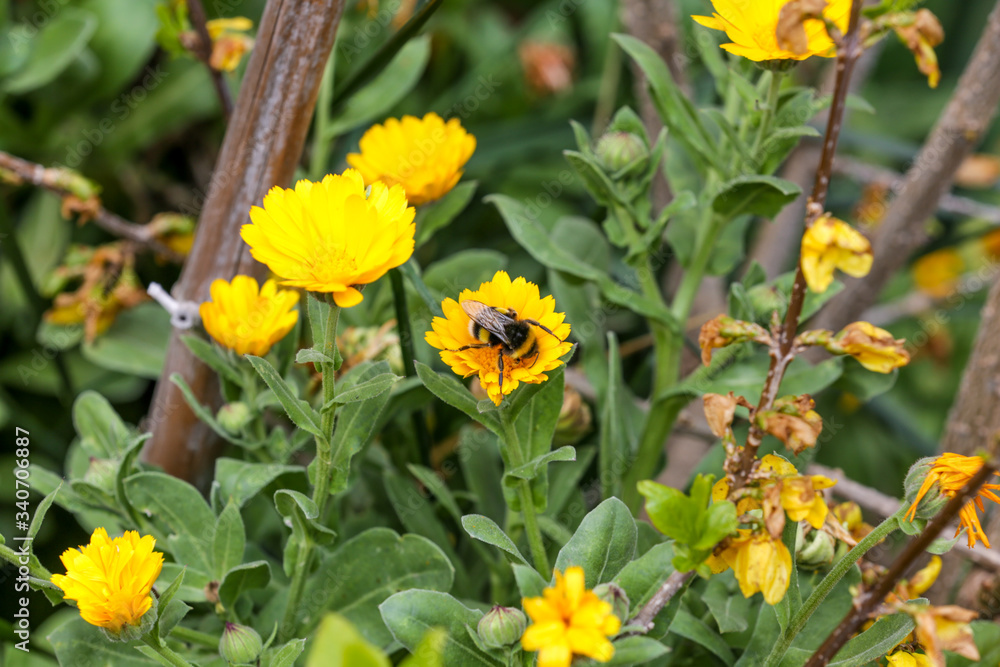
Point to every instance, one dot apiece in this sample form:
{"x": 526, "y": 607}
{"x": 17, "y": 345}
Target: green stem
{"x": 289, "y": 622}
{"x": 406, "y": 347}
{"x": 324, "y": 445}
{"x": 191, "y": 636}
{"x": 516, "y": 458}
{"x": 773, "y": 95}
{"x": 826, "y": 585}
{"x": 165, "y": 652}
{"x": 321, "y": 144}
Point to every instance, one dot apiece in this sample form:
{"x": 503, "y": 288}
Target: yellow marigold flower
{"x": 760, "y": 563}
{"x": 502, "y": 368}
{"x": 753, "y": 28}
{"x": 951, "y": 472}
{"x": 937, "y": 274}
{"x": 569, "y": 620}
{"x": 111, "y": 579}
{"x": 904, "y": 659}
{"x": 331, "y": 237}
{"x": 874, "y": 348}
{"x": 247, "y": 321}
{"x": 425, "y": 156}
{"x": 831, "y": 244}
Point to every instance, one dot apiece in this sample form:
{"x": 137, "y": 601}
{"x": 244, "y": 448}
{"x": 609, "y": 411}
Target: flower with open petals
{"x": 831, "y": 244}
{"x": 569, "y": 620}
{"x": 951, "y": 472}
{"x": 110, "y": 579}
{"x": 760, "y": 563}
{"x": 330, "y": 236}
{"x": 499, "y": 372}
{"x": 753, "y": 29}
{"x": 904, "y": 659}
{"x": 247, "y": 320}
{"x": 424, "y": 155}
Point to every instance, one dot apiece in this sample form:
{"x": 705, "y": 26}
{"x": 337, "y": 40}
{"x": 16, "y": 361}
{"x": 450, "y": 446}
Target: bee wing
{"x": 488, "y": 318}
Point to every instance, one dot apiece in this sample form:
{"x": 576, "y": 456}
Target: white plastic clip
{"x": 183, "y": 314}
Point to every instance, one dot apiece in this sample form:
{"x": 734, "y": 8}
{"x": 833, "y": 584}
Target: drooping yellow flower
{"x": 876, "y": 349}
{"x": 331, "y": 237}
{"x": 753, "y": 28}
{"x": 110, "y": 579}
{"x": 425, "y": 156}
{"x": 569, "y": 620}
{"x": 246, "y": 320}
{"x": 500, "y": 368}
{"x": 904, "y": 659}
{"x": 802, "y": 500}
{"x": 760, "y": 563}
{"x": 229, "y": 41}
{"x": 831, "y": 244}
{"x": 951, "y": 472}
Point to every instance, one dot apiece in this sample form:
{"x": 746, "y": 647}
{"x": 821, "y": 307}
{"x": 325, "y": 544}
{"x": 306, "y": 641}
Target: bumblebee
{"x": 503, "y": 329}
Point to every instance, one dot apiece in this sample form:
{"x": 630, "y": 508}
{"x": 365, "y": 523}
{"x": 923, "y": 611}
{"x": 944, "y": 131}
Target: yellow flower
{"x": 111, "y": 579}
{"x": 874, "y": 348}
{"x": 951, "y": 472}
{"x": 329, "y": 236}
{"x": 833, "y": 244}
{"x": 248, "y": 322}
{"x": 802, "y": 500}
{"x": 522, "y": 301}
{"x": 937, "y": 274}
{"x": 425, "y": 156}
{"x": 229, "y": 41}
{"x": 569, "y": 620}
{"x": 904, "y": 659}
{"x": 753, "y": 28}
{"x": 760, "y": 563}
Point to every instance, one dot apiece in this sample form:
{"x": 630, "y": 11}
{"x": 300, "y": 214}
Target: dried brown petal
{"x": 791, "y": 31}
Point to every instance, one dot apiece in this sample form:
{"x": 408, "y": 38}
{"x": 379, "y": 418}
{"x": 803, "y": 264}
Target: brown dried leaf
{"x": 791, "y": 31}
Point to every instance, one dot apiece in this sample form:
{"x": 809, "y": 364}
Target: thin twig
{"x": 202, "y": 48}
{"x": 673, "y": 585}
{"x": 867, "y": 602}
{"x": 54, "y": 180}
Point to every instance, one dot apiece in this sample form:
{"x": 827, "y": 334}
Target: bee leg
{"x": 544, "y": 328}
{"x": 500, "y": 368}
{"x": 471, "y": 347}
{"x": 534, "y": 358}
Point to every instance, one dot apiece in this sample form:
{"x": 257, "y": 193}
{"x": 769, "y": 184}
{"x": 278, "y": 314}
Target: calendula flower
{"x": 753, "y": 29}
{"x": 831, "y": 244}
{"x": 951, "y": 472}
{"x": 569, "y": 620}
{"x": 229, "y": 41}
{"x": 904, "y": 659}
{"x": 330, "y": 236}
{"x": 247, "y": 320}
{"x": 110, "y": 579}
{"x": 425, "y": 156}
{"x": 535, "y": 346}
{"x": 876, "y": 349}
{"x": 760, "y": 563}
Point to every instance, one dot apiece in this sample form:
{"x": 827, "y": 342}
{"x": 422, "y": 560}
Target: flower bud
{"x": 815, "y": 550}
{"x": 617, "y": 150}
{"x": 614, "y": 595}
{"x": 240, "y": 645}
{"x": 575, "y": 418}
{"x": 101, "y": 473}
{"x": 502, "y": 626}
{"x": 933, "y": 500}
{"x": 234, "y": 417}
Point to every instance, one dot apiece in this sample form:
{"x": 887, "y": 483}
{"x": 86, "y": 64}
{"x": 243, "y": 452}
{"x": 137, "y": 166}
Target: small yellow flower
{"x": 229, "y": 41}
{"x": 425, "y": 156}
{"x": 760, "y": 563}
{"x": 453, "y": 332}
{"x": 569, "y": 620}
{"x": 874, "y": 348}
{"x": 753, "y": 27}
{"x": 802, "y": 500}
{"x": 833, "y": 244}
{"x": 904, "y": 659}
{"x": 937, "y": 274}
{"x": 331, "y": 237}
{"x": 111, "y": 579}
{"x": 247, "y": 321}
{"x": 951, "y": 472}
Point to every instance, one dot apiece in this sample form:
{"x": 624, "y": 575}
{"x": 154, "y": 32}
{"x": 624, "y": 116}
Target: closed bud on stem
{"x": 502, "y": 626}
{"x": 616, "y": 597}
{"x": 234, "y": 417}
{"x": 815, "y": 550}
{"x": 617, "y": 150}
{"x": 240, "y": 645}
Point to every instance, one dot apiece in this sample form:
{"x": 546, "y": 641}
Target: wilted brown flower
{"x": 723, "y": 331}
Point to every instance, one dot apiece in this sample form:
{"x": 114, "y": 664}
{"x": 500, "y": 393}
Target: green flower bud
{"x": 240, "y": 645}
{"x": 131, "y": 633}
{"x": 101, "y": 473}
{"x": 617, "y": 150}
{"x": 502, "y": 626}
{"x": 613, "y": 594}
{"x": 815, "y": 551}
{"x": 234, "y": 417}
{"x": 766, "y": 300}
{"x": 932, "y": 501}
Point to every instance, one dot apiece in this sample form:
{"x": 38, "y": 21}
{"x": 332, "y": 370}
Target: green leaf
{"x": 284, "y": 655}
{"x": 618, "y": 433}
{"x": 532, "y": 468}
{"x": 629, "y": 651}
{"x": 181, "y": 510}
{"x": 135, "y": 344}
{"x": 942, "y": 545}
{"x": 60, "y": 41}
{"x": 436, "y": 486}
{"x": 875, "y": 642}
{"x": 603, "y": 544}
{"x": 244, "y": 577}
{"x": 438, "y": 215}
{"x": 641, "y": 578}
{"x": 362, "y": 391}
{"x": 863, "y": 384}
{"x": 535, "y": 424}
{"x": 590, "y": 172}
{"x": 364, "y": 571}
{"x": 411, "y": 614}
{"x": 240, "y": 481}
{"x": 39, "y": 516}
{"x": 77, "y": 638}
{"x": 300, "y": 412}
{"x": 337, "y": 643}
{"x": 102, "y": 432}
{"x": 486, "y": 530}
{"x": 689, "y": 627}
{"x": 429, "y": 652}
{"x": 210, "y": 355}
{"x": 454, "y": 393}
{"x": 229, "y": 541}
{"x": 760, "y": 195}
{"x": 987, "y": 638}
{"x": 312, "y": 356}
{"x": 203, "y": 413}
{"x": 726, "y": 603}
{"x": 530, "y": 584}
{"x": 167, "y": 596}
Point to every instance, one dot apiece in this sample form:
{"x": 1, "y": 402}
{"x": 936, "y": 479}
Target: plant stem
{"x": 289, "y": 622}
{"x": 165, "y": 652}
{"x": 516, "y": 457}
{"x": 672, "y": 586}
{"x": 773, "y": 95}
{"x": 826, "y": 585}
{"x": 324, "y": 445}
{"x": 191, "y": 636}
{"x": 321, "y": 143}
{"x": 406, "y": 347}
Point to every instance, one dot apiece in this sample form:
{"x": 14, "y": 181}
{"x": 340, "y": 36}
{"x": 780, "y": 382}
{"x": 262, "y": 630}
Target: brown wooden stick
{"x": 902, "y": 231}
{"x": 866, "y": 603}
{"x": 262, "y": 147}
